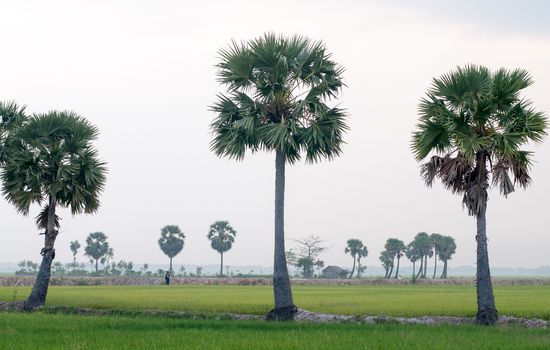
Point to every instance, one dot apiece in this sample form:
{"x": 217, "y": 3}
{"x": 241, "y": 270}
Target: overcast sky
{"x": 142, "y": 71}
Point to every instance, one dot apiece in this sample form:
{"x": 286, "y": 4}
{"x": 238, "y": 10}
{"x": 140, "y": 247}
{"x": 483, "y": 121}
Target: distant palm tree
{"x": 277, "y": 100}
{"x": 98, "y": 248}
{"x": 171, "y": 241}
{"x": 437, "y": 241}
{"x": 413, "y": 254}
{"x": 355, "y": 248}
{"x": 363, "y": 253}
{"x": 395, "y": 247}
{"x": 476, "y": 122}
{"x": 446, "y": 250}
{"x": 386, "y": 258}
{"x": 222, "y": 237}
{"x": 422, "y": 248}
{"x": 75, "y": 246}
{"x": 51, "y": 159}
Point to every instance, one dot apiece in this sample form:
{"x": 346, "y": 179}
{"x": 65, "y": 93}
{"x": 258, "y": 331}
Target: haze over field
{"x": 143, "y": 72}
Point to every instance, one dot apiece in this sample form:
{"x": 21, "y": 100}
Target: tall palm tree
{"x": 171, "y": 242}
{"x": 75, "y": 246}
{"x": 278, "y": 90}
{"x": 11, "y": 116}
{"x": 476, "y": 122}
{"x": 51, "y": 160}
{"x": 98, "y": 249}
{"x": 221, "y": 236}
{"x": 386, "y": 258}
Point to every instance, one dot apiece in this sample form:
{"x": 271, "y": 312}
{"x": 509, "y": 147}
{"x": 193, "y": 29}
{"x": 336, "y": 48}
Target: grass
{"x": 44, "y": 331}
{"x": 521, "y": 301}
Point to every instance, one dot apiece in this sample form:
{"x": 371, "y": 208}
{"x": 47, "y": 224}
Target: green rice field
{"x": 44, "y": 331}
{"x": 521, "y": 301}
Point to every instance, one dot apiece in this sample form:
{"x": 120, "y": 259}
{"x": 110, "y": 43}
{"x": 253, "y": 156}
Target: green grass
{"x": 43, "y": 331}
{"x": 521, "y": 301}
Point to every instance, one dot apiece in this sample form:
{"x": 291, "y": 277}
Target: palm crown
{"x": 11, "y": 117}
{"x": 51, "y": 156}
{"x": 476, "y": 122}
{"x": 278, "y": 89}
{"x": 221, "y": 236}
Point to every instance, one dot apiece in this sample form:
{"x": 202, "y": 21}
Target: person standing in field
{"x": 167, "y": 277}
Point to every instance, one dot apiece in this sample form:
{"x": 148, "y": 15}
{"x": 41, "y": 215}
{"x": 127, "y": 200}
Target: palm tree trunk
{"x": 414, "y": 263}
{"x": 170, "y": 265}
{"x": 284, "y": 306}
{"x": 40, "y": 289}
{"x": 221, "y": 264}
{"x": 391, "y": 268}
{"x": 358, "y": 266}
{"x": 397, "y": 270}
{"x": 352, "y": 269}
{"x": 435, "y": 264}
{"x": 425, "y": 266}
{"x": 486, "y": 310}
{"x": 419, "y": 274}
{"x": 96, "y": 266}
{"x": 444, "y": 274}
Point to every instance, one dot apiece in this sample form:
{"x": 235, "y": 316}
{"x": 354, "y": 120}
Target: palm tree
{"x": 75, "y": 246}
{"x": 355, "y": 248}
{"x": 98, "y": 248}
{"x": 476, "y": 122}
{"x": 12, "y": 116}
{"x": 422, "y": 248}
{"x": 436, "y": 240}
{"x": 362, "y": 253}
{"x": 446, "y": 250}
{"x": 51, "y": 159}
{"x": 171, "y": 241}
{"x": 386, "y": 258}
{"x": 413, "y": 255}
{"x": 222, "y": 237}
{"x": 395, "y": 248}
{"x": 278, "y": 91}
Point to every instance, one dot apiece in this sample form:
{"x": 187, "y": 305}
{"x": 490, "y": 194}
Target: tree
{"x": 413, "y": 254}
{"x": 51, "y": 159}
{"x": 98, "y": 248}
{"x": 362, "y": 253}
{"x": 171, "y": 241}
{"x": 386, "y": 258}
{"x": 357, "y": 250}
{"x": 306, "y": 256}
{"x": 278, "y": 91}
{"x": 476, "y": 123}
{"x": 222, "y": 237}
{"x": 422, "y": 247}
{"x": 75, "y": 246}
{"x": 446, "y": 250}
{"x": 436, "y": 239}
{"x": 394, "y": 247}
{"x": 12, "y": 116}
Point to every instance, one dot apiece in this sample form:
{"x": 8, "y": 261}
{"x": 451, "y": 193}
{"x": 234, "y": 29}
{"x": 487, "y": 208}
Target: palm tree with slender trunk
{"x": 446, "y": 250}
{"x": 396, "y": 248}
{"x": 436, "y": 240}
{"x": 51, "y": 159}
{"x": 171, "y": 242}
{"x": 362, "y": 253}
{"x": 476, "y": 123}
{"x": 75, "y": 246}
{"x": 98, "y": 248}
{"x": 386, "y": 258}
{"x": 278, "y": 94}
{"x": 221, "y": 236}
{"x": 353, "y": 248}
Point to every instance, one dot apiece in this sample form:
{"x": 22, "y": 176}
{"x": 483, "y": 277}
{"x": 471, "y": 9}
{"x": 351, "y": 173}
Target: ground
{"x": 55, "y": 331}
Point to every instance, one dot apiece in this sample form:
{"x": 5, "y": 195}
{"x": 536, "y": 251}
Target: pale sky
{"x": 143, "y": 72}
